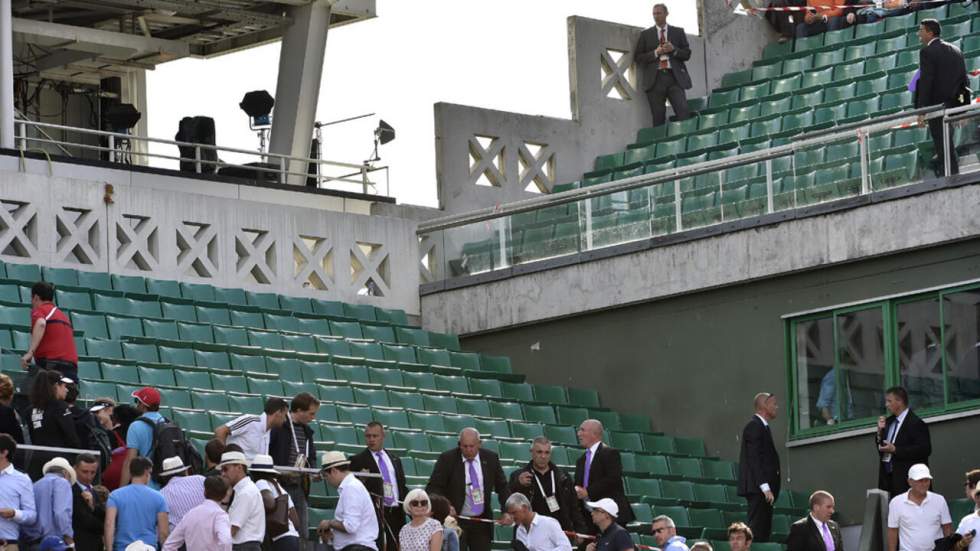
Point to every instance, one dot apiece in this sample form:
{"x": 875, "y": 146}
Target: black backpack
{"x": 169, "y": 441}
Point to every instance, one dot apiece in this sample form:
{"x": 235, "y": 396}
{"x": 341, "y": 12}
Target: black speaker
{"x": 196, "y": 130}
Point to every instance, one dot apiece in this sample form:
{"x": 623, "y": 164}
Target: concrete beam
{"x": 298, "y": 87}
{"x": 6, "y": 77}
{"x": 104, "y": 43}
{"x": 942, "y": 216}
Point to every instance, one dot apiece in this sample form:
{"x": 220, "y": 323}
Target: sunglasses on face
{"x": 418, "y": 503}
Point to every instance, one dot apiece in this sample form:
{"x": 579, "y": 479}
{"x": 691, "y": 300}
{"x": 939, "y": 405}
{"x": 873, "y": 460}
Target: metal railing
{"x": 273, "y": 166}
{"x": 453, "y": 234}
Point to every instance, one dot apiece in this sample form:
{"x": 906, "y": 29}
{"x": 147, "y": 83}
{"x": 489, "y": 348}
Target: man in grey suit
{"x": 662, "y": 51}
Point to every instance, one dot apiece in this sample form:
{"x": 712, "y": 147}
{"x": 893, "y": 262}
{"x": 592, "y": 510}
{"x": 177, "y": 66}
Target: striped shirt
{"x": 251, "y": 432}
{"x": 182, "y": 494}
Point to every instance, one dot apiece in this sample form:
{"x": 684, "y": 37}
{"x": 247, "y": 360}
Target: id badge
{"x": 389, "y": 491}
{"x": 552, "y": 503}
{"x": 476, "y": 495}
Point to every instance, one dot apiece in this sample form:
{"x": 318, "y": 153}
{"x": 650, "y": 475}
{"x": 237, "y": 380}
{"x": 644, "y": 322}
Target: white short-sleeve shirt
{"x": 251, "y": 432}
{"x": 971, "y": 522}
{"x": 263, "y": 485}
{"x": 919, "y": 526}
{"x": 247, "y": 512}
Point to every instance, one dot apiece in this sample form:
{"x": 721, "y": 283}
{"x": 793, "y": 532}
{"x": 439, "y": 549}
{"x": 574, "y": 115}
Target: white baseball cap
{"x": 919, "y": 471}
{"x": 605, "y": 504}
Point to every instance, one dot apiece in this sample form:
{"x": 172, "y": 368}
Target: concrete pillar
{"x": 6, "y": 76}
{"x": 298, "y": 86}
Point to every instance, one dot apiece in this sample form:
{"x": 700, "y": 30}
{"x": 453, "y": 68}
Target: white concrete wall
{"x": 599, "y": 124}
{"x": 883, "y": 228}
{"x": 204, "y": 232}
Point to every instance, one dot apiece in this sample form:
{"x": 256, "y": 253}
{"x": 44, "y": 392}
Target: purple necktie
{"x": 477, "y": 508}
{"x": 828, "y": 540}
{"x": 588, "y": 466}
{"x": 386, "y": 476}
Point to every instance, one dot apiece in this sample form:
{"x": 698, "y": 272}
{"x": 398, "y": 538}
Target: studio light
{"x": 258, "y": 106}
{"x": 122, "y": 117}
{"x": 383, "y": 134}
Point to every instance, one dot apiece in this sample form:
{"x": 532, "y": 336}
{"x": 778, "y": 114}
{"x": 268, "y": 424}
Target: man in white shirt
{"x": 355, "y": 524}
{"x": 536, "y": 532}
{"x": 970, "y": 524}
{"x": 917, "y": 518}
{"x": 246, "y": 511}
{"x": 251, "y": 432}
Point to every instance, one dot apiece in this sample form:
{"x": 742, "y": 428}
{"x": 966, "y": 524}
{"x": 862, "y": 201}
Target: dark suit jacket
{"x": 449, "y": 479}
{"x": 805, "y": 536}
{"x": 364, "y": 461}
{"x": 758, "y": 462}
{"x": 605, "y": 480}
{"x": 942, "y": 74}
{"x": 87, "y": 523}
{"x": 570, "y": 513}
{"x": 646, "y": 58}
{"x": 912, "y": 445}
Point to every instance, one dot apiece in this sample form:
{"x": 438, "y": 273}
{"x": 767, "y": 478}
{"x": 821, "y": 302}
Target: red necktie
{"x": 663, "y": 40}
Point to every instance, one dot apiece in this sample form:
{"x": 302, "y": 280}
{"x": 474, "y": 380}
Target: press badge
{"x": 552, "y": 503}
{"x": 389, "y": 490}
{"x": 476, "y": 495}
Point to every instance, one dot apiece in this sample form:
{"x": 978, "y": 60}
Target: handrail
{"x": 643, "y": 180}
{"x": 284, "y": 161}
{"x": 43, "y": 133}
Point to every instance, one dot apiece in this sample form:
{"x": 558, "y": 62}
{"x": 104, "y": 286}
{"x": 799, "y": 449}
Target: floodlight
{"x": 122, "y": 117}
{"x": 258, "y": 106}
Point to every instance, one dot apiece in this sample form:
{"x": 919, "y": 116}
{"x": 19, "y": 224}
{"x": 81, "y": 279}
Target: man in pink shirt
{"x": 205, "y": 527}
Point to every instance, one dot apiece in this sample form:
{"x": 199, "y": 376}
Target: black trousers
{"x": 780, "y": 20}
{"x": 476, "y": 535}
{"x": 665, "y": 88}
{"x": 760, "y": 517}
{"x": 936, "y": 131}
{"x": 67, "y": 369}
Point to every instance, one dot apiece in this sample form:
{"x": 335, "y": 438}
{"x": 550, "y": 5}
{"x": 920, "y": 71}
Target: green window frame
{"x": 840, "y": 360}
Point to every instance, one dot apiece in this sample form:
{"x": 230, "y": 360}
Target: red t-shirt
{"x": 58, "y": 342}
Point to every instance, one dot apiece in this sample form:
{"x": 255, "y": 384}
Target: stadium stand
{"x": 215, "y": 353}
{"x": 802, "y": 86}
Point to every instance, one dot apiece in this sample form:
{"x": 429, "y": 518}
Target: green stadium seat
{"x": 434, "y": 402}
{"x": 178, "y": 312}
{"x": 380, "y": 333}
{"x": 93, "y": 325}
{"x": 540, "y": 414}
{"x": 264, "y": 339}
{"x": 153, "y": 376}
{"x": 399, "y": 353}
{"x": 808, "y": 43}
{"x": 94, "y": 280}
{"x": 198, "y": 292}
{"x": 192, "y": 419}
{"x": 279, "y": 322}
{"x": 231, "y": 297}
{"x": 103, "y": 348}
{"x": 352, "y": 373}
{"x": 230, "y": 335}
{"x": 265, "y": 387}
{"x": 299, "y": 343}
{"x": 160, "y": 329}
{"x": 712, "y": 120}
{"x": 205, "y": 399}
{"x": 570, "y": 415}
{"x": 689, "y": 446}
{"x": 28, "y": 273}
{"x": 241, "y": 318}
{"x": 313, "y": 326}
{"x": 718, "y": 469}
{"x": 371, "y": 396}
{"x": 346, "y": 329}
{"x": 72, "y": 300}
{"x": 245, "y": 403}
{"x": 302, "y": 305}
{"x": 140, "y": 352}
{"x": 120, "y": 373}
{"x": 128, "y": 284}
{"x": 309, "y": 371}
{"x": 707, "y": 518}
{"x": 361, "y": 312}
{"x": 163, "y": 288}
{"x": 485, "y": 387}
{"x": 516, "y": 391}
{"x": 267, "y": 301}
{"x": 719, "y": 99}
{"x": 824, "y": 59}
{"x": 473, "y": 406}
{"x": 229, "y": 383}
{"x": 507, "y": 410}
{"x": 626, "y": 440}
{"x": 195, "y": 332}
{"x": 681, "y": 128}
{"x": 737, "y": 78}
{"x": 335, "y": 392}
{"x": 91, "y": 390}
{"x": 87, "y": 369}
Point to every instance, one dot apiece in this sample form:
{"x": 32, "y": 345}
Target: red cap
{"x": 148, "y": 395}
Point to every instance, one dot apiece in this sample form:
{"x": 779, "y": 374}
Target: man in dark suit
{"x": 816, "y": 532}
{"x": 88, "y": 506}
{"x": 549, "y": 489}
{"x": 663, "y": 50}
{"x": 942, "y": 81}
{"x": 390, "y": 489}
{"x": 465, "y": 476}
{"x": 599, "y": 473}
{"x": 903, "y": 440}
{"x": 758, "y": 470}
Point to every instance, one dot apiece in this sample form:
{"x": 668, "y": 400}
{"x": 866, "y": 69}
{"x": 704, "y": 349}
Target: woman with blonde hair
{"x": 422, "y": 533}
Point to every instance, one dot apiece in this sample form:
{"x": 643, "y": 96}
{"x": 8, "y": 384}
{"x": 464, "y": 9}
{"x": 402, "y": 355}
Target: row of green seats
{"x": 313, "y": 336}
{"x": 101, "y": 281}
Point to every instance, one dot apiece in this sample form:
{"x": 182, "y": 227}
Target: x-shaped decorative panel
{"x": 427, "y": 261}
{"x": 313, "y": 260}
{"x": 617, "y": 74}
{"x": 18, "y": 229}
{"x": 79, "y": 235}
{"x": 256, "y": 251}
{"x": 138, "y": 247}
{"x": 369, "y": 269}
{"x": 197, "y": 249}
{"x": 537, "y": 167}
{"x": 487, "y": 161}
